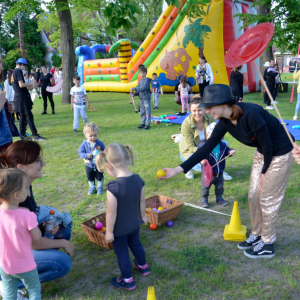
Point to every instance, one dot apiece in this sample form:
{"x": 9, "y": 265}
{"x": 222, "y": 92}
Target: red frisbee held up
{"x": 250, "y": 45}
{"x": 207, "y": 173}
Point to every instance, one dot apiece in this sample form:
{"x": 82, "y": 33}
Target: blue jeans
{"x": 121, "y": 244}
{"x": 197, "y": 168}
{"x": 219, "y": 187}
{"x": 298, "y": 104}
{"x": 30, "y": 280}
{"x": 51, "y": 264}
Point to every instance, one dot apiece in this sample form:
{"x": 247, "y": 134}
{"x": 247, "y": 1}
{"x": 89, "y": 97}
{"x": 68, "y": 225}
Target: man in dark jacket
{"x": 269, "y": 77}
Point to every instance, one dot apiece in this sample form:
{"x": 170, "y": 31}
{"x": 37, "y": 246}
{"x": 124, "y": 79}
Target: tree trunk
{"x": 267, "y": 55}
{"x": 67, "y": 47}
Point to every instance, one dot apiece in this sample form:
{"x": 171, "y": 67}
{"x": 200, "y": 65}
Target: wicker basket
{"x": 171, "y": 204}
{"x": 94, "y": 235}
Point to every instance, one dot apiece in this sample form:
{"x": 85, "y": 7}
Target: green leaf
{"x": 109, "y": 31}
{"x": 127, "y": 26}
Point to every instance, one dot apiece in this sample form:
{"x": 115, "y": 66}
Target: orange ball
{"x": 153, "y": 226}
{"x": 161, "y": 173}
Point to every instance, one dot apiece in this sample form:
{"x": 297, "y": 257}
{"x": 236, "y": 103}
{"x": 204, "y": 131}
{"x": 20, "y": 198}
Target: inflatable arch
{"x": 171, "y": 49}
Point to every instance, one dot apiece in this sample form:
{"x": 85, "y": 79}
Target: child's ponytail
{"x": 100, "y": 161}
{"x": 131, "y": 153}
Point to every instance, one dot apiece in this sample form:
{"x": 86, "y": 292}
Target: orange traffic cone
{"x": 235, "y": 231}
{"x": 151, "y": 293}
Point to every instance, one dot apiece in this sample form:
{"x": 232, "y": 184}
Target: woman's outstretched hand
{"x": 170, "y": 172}
{"x": 296, "y": 153}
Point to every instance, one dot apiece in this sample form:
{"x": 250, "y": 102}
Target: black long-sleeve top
{"x": 255, "y": 128}
{"x": 269, "y": 77}
{"x": 236, "y": 84}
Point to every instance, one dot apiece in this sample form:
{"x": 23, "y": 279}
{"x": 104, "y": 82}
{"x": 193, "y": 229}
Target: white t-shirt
{"x": 184, "y": 91}
{"x": 79, "y": 95}
{"x": 10, "y": 93}
{"x": 202, "y": 138}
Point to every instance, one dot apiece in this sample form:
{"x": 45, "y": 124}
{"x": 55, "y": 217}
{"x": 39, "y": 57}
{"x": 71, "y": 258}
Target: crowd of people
{"x": 27, "y": 258}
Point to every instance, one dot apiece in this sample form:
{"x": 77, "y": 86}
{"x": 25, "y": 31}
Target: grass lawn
{"x": 190, "y": 260}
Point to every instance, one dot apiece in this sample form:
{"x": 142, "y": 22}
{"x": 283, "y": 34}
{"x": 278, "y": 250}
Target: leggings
{"x": 46, "y": 94}
{"x": 121, "y": 244}
{"x": 298, "y": 104}
{"x": 185, "y": 103}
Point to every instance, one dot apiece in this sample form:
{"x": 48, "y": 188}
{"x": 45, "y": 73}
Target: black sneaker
{"x": 44, "y": 113}
{"x": 154, "y": 107}
{"x": 250, "y": 242}
{"x": 141, "y": 126}
{"x": 204, "y": 203}
{"x": 74, "y": 130}
{"x": 144, "y": 269}
{"x": 119, "y": 283}
{"x": 146, "y": 127}
{"x": 261, "y": 251}
{"x": 38, "y": 137}
{"x": 221, "y": 201}
{"x": 53, "y": 112}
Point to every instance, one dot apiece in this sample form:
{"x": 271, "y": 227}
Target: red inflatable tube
{"x": 228, "y": 28}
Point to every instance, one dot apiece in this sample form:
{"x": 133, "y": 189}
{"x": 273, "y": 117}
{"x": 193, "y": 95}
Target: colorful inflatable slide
{"x": 171, "y": 49}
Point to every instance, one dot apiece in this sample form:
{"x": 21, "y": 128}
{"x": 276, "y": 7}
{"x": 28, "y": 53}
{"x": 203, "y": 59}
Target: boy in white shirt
{"x": 79, "y": 100}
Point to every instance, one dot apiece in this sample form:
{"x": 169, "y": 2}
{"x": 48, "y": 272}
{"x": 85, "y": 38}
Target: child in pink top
{"x": 18, "y": 228}
{"x": 184, "y": 94}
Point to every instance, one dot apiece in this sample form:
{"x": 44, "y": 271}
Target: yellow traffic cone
{"x": 235, "y": 231}
{"x": 151, "y": 293}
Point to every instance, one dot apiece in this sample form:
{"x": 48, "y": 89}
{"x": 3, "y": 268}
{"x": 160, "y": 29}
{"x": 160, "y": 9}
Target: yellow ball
{"x": 161, "y": 173}
{"x": 161, "y": 209}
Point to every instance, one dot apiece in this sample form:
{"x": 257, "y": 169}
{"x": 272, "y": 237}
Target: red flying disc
{"x": 250, "y": 45}
{"x": 207, "y": 173}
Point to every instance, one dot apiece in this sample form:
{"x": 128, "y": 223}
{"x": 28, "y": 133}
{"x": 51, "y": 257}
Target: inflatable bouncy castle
{"x": 171, "y": 49}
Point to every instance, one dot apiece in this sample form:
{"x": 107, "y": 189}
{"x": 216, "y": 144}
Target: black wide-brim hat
{"x": 217, "y": 94}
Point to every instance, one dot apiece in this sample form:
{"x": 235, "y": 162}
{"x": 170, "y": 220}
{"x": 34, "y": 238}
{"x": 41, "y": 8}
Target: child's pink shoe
{"x": 144, "y": 269}
{"x": 119, "y": 283}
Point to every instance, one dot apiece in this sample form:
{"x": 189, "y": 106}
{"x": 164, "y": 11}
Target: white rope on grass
{"x": 199, "y": 207}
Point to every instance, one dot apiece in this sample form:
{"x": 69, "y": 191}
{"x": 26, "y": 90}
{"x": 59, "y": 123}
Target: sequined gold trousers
{"x": 265, "y": 200}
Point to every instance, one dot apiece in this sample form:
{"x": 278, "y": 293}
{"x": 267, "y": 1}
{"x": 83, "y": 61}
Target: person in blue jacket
{"x": 217, "y": 154}
{"x": 88, "y": 151}
{"x": 143, "y": 91}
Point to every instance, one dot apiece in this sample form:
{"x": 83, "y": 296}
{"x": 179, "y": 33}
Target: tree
{"x": 285, "y": 15}
{"x": 56, "y": 60}
{"x": 32, "y": 48}
{"x": 118, "y": 13}
{"x": 196, "y": 33}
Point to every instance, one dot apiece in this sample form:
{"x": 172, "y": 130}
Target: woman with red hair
{"x": 51, "y": 264}
{"x": 253, "y": 126}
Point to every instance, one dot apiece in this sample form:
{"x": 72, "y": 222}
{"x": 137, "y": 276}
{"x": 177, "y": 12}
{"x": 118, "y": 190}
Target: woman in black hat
{"x": 253, "y": 126}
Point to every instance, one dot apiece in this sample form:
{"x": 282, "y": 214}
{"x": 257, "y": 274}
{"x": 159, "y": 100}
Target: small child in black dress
{"x": 126, "y": 211}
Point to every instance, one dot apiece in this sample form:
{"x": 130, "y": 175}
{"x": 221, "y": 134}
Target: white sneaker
{"x": 270, "y": 107}
{"x": 21, "y": 295}
{"x": 226, "y": 176}
{"x": 276, "y": 102}
{"x": 295, "y": 117}
{"x": 189, "y": 175}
